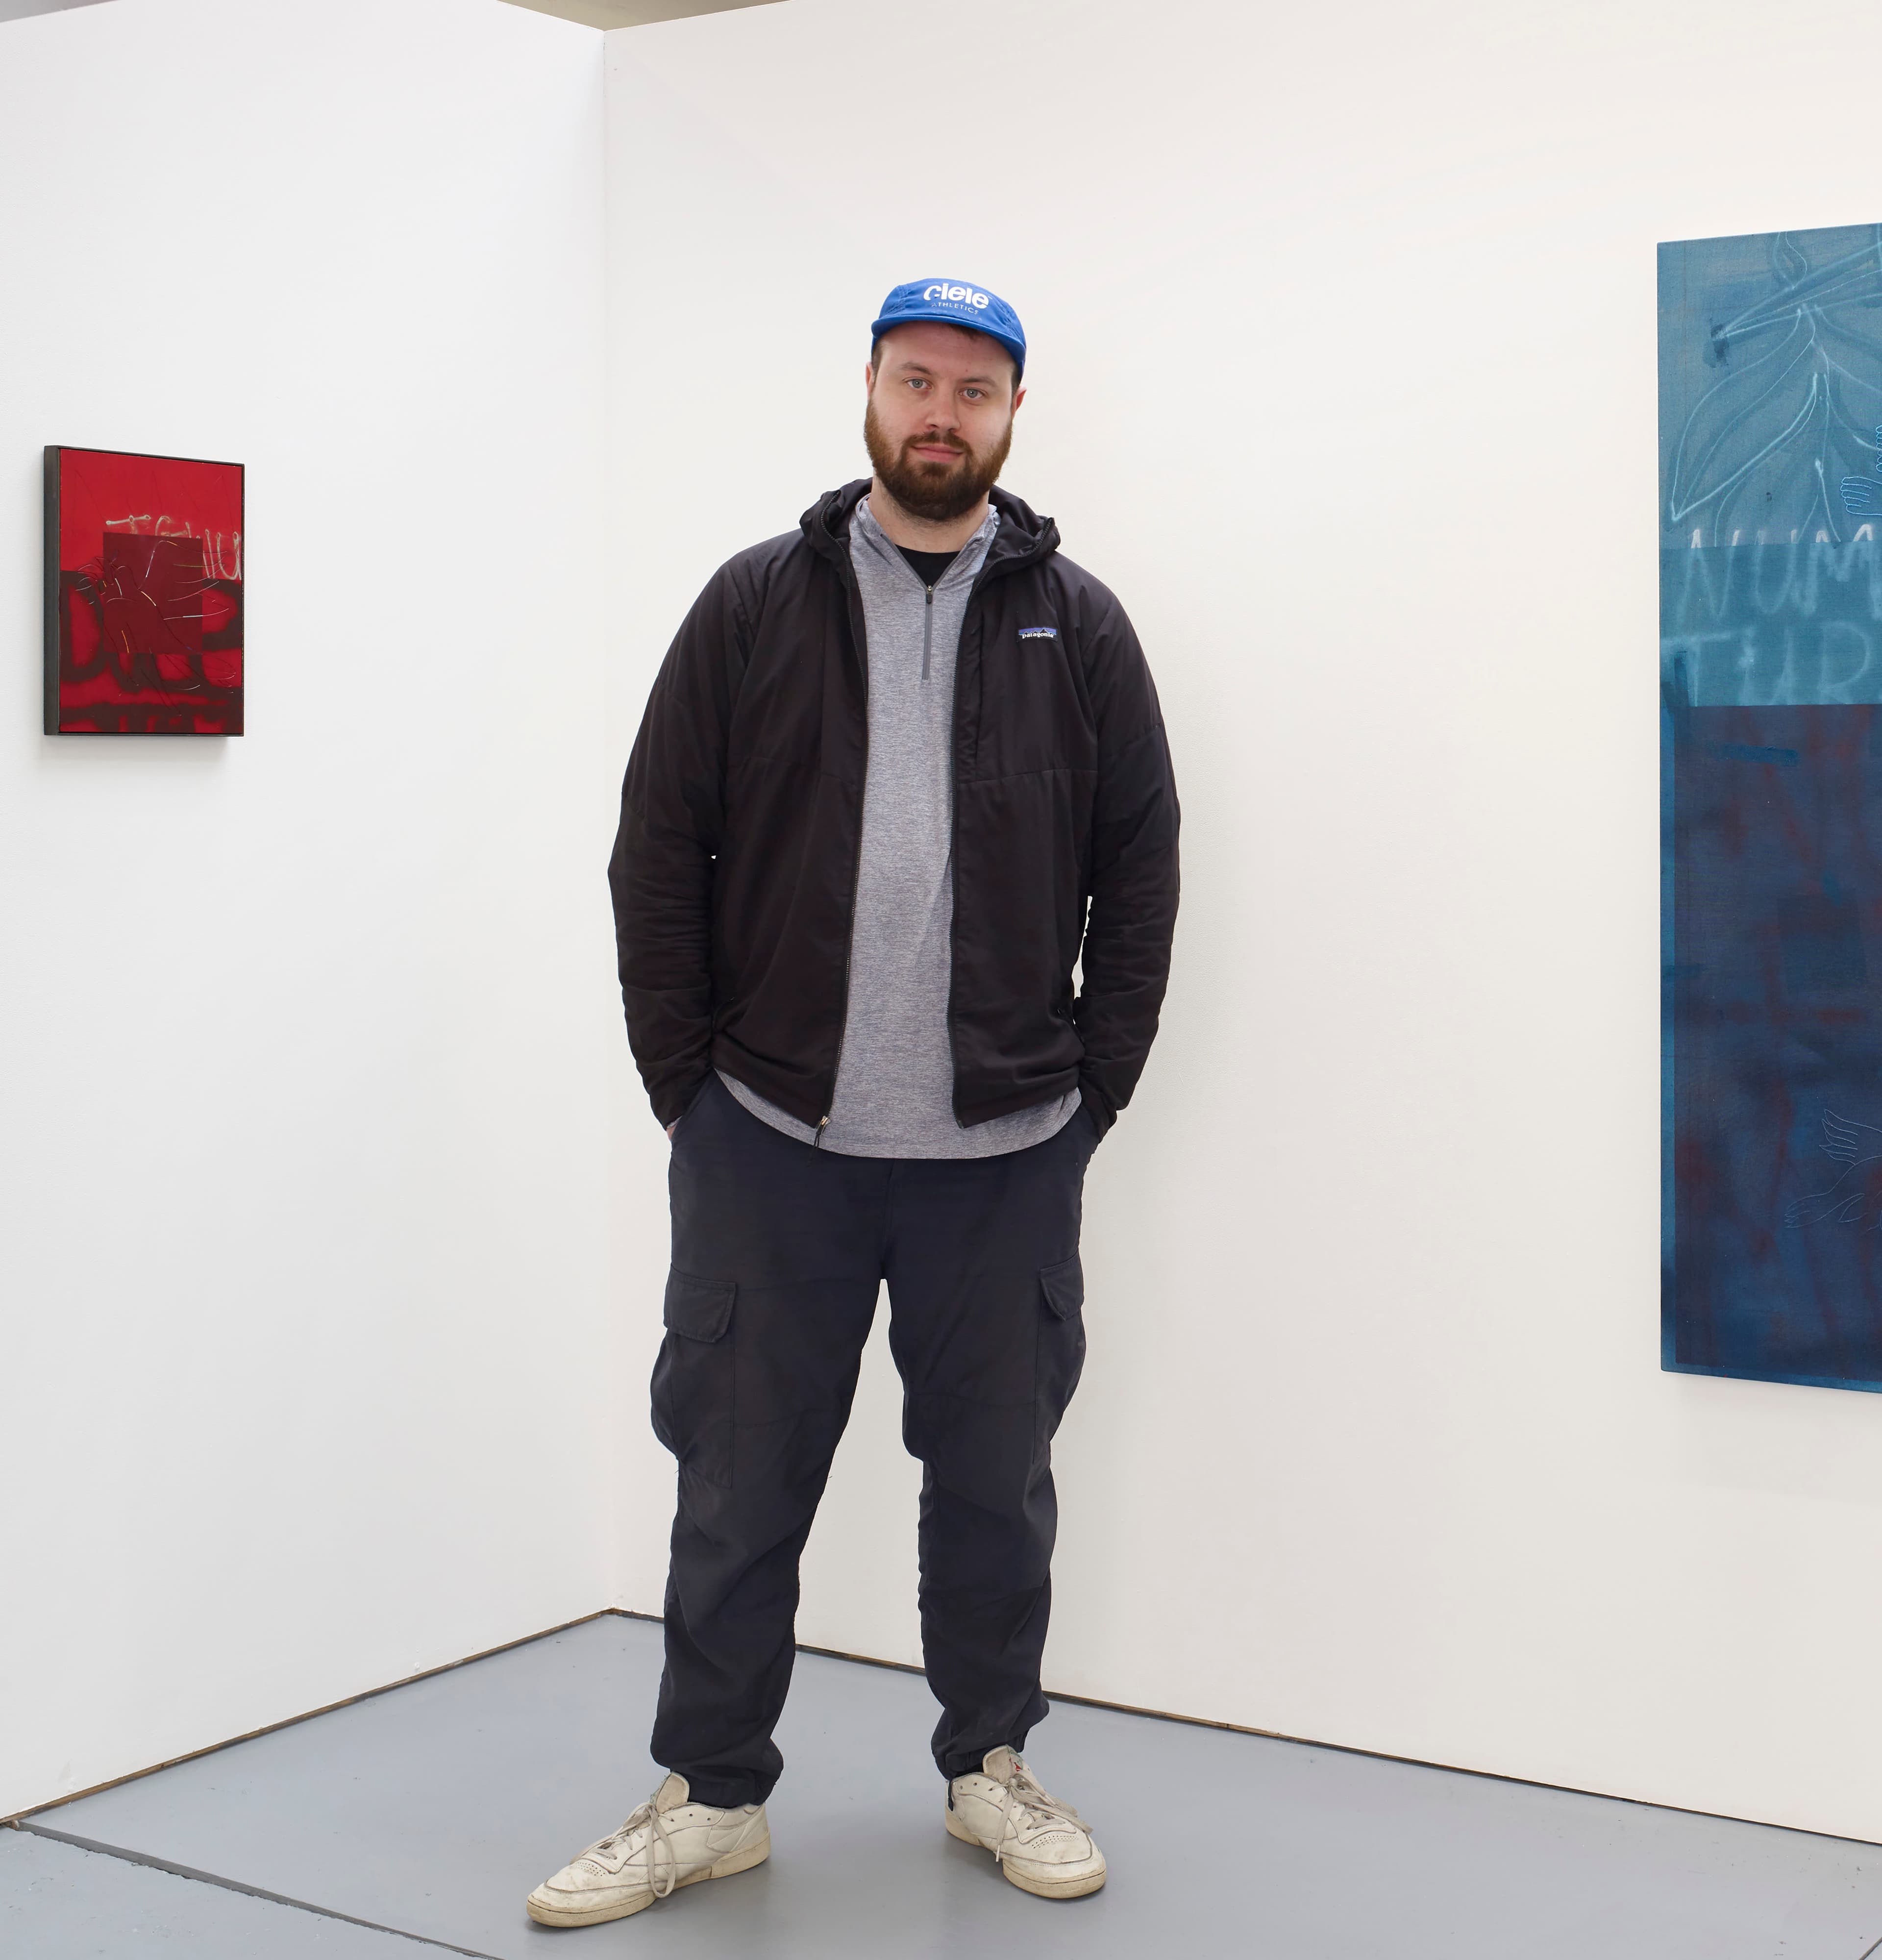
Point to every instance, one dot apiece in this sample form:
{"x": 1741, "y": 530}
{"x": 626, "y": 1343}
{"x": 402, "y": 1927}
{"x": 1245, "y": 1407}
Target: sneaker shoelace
{"x": 649, "y": 1814}
{"x": 1020, "y": 1793}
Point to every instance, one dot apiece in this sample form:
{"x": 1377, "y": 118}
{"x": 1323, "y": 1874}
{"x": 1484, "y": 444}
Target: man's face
{"x": 940, "y": 421}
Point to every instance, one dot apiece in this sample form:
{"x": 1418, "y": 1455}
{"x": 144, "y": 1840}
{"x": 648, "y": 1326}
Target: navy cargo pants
{"x": 779, "y": 1251}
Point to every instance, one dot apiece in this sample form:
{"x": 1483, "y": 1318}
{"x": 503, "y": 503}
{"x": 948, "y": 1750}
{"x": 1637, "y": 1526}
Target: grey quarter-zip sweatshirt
{"x": 894, "y": 1088}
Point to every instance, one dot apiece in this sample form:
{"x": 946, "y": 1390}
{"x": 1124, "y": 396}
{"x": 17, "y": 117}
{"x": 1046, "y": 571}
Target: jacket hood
{"x": 1024, "y": 536}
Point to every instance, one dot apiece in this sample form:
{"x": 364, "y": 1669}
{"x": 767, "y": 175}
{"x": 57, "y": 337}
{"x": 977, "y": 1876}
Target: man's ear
{"x": 1018, "y": 396}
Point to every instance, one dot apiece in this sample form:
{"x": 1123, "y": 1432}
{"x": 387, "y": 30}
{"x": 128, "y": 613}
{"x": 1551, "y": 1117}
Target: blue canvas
{"x": 1771, "y": 685}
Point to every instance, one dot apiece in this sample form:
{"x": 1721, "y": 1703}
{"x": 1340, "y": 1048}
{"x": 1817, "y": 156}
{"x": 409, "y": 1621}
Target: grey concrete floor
{"x": 429, "y": 1812}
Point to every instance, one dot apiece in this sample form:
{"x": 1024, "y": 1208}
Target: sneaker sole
{"x": 1051, "y": 1889}
{"x": 727, "y": 1867}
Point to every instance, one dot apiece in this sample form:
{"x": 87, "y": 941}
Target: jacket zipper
{"x": 927, "y": 631}
{"x": 980, "y": 580}
{"x": 859, "y": 631}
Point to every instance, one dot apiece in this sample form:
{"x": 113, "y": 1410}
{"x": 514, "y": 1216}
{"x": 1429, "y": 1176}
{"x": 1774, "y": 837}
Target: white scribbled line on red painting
{"x": 223, "y": 549}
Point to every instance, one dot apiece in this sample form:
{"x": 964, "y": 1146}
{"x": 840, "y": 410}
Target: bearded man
{"x": 902, "y": 770}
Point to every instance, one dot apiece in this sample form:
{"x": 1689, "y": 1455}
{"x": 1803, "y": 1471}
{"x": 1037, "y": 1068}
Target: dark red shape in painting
{"x": 143, "y": 594}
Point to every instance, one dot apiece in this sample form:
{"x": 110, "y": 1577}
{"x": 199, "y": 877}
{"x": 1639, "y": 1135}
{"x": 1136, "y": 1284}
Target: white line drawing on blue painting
{"x": 1792, "y": 412}
{"x": 1858, "y": 1147}
{"x": 1861, "y": 498}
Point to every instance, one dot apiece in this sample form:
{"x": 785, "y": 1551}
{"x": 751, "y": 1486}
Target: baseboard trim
{"x": 1376, "y": 1755}
{"x": 18, "y": 1817}
{"x": 292, "y": 1721}
{"x": 1130, "y": 1708}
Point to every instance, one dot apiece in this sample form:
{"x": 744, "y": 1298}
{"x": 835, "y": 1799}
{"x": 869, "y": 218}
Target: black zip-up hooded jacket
{"x": 734, "y": 873}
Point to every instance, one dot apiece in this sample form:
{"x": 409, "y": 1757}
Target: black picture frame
{"x": 58, "y": 597}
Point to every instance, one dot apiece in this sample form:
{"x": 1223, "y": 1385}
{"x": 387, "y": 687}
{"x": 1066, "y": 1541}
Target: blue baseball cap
{"x": 954, "y": 303}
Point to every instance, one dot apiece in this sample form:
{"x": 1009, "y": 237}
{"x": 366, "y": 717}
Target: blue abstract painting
{"x": 1771, "y": 688}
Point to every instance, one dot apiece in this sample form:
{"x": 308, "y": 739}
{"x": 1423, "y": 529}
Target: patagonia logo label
{"x": 1038, "y": 632}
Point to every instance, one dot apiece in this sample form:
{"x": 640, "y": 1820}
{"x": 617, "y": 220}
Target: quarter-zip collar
{"x": 867, "y": 534}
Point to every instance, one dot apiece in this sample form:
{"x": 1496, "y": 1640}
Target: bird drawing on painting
{"x": 1858, "y": 1192}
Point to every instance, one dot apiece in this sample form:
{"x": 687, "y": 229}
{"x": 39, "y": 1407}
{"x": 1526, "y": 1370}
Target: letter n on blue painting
{"x": 1771, "y": 688}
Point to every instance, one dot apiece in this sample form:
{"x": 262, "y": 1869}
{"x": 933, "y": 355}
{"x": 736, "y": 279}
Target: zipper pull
{"x": 816, "y": 1142}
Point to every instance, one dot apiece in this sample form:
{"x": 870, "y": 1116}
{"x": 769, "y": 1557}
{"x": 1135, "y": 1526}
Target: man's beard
{"x": 938, "y": 491}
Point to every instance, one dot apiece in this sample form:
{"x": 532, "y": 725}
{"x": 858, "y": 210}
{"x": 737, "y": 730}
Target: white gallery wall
{"x": 1344, "y": 378}
{"x": 304, "y": 1362}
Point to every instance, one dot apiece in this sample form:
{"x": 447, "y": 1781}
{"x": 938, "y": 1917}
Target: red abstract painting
{"x": 143, "y": 595}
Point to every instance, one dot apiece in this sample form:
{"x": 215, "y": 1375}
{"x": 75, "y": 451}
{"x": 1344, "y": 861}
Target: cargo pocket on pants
{"x": 1061, "y": 1351}
{"x": 693, "y": 1378}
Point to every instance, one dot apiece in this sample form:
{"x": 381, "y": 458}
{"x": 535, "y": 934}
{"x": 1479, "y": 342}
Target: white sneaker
{"x": 1042, "y": 1845}
{"x": 669, "y": 1842}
